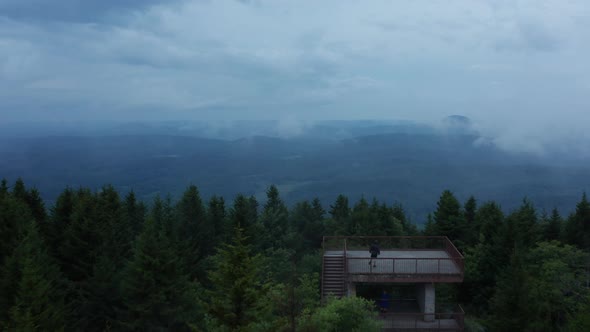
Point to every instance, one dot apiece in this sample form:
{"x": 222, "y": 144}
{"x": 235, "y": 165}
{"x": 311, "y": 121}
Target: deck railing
{"x": 420, "y": 268}
{"x": 391, "y": 243}
{"x": 425, "y": 266}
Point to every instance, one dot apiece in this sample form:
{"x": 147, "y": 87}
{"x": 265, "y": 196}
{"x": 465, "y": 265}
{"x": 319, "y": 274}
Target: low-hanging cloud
{"x": 514, "y": 67}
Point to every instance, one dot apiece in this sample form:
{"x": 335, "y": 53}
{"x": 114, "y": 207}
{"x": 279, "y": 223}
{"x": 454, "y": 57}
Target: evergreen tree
{"x": 35, "y": 203}
{"x": 360, "y": 219}
{"x": 3, "y": 188}
{"x": 77, "y": 255}
{"x": 398, "y": 212}
{"x": 134, "y": 213}
{"x": 60, "y": 219}
{"x": 244, "y": 214}
{"x": 485, "y": 260}
{"x": 217, "y": 217}
{"x": 196, "y": 234}
{"x": 510, "y": 305}
{"x": 340, "y": 213}
{"x": 19, "y": 191}
{"x": 470, "y": 210}
{"x": 274, "y": 219}
{"x": 235, "y": 299}
{"x": 557, "y": 283}
{"x": 448, "y": 218}
{"x": 163, "y": 215}
{"x": 156, "y": 293}
{"x": 113, "y": 231}
{"x": 524, "y": 220}
{"x": 14, "y": 214}
{"x": 308, "y": 222}
{"x": 552, "y": 229}
{"x": 470, "y": 234}
{"x": 39, "y": 303}
{"x": 577, "y": 231}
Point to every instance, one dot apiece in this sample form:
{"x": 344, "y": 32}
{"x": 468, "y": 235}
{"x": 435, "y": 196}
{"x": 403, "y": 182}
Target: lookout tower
{"x": 415, "y": 263}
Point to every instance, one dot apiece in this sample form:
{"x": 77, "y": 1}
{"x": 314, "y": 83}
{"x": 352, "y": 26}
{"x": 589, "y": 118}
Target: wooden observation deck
{"x": 432, "y": 259}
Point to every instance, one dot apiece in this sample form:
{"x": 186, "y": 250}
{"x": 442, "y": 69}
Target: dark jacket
{"x": 374, "y": 250}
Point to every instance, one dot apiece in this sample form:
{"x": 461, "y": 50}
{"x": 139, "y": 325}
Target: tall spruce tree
{"x": 157, "y": 294}
{"x": 134, "y": 214}
{"x": 235, "y": 298}
{"x": 470, "y": 234}
{"x": 40, "y": 291}
{"x": 577, "y": 230}
{"x": 217, "y": 217}
{"x": 360, "y": 221}
{"x": 510, "y": 305}
{"x": 552, "y": 229}
{"x": 526, "y": 229}
{"x": 274, "y": 219}
{"x": 448, "y": 218}
{"x": 244, "y": 214}
{"x": 196, "y": 234}
{"x": 340, "y": 214}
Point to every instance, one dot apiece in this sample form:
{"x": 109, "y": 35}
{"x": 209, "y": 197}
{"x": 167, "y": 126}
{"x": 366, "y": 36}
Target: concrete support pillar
{"x": 351, "y": 289}
{"x": 426, "y": 299}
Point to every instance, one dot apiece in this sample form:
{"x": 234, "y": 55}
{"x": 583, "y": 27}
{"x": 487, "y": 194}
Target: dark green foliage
{"x": 134, "y": 213}
{"x": 235, "y": 301}
{"x": 579, "y": 320}
{"x": 195, "y": 234}
{"x": 340, "y": 214}
{"x": 470, "y": 233}
{"x": 274, "y": 220}
{"x": 14, "y": 215}
{"x": 540, "y": 288}
{"x": 113, "y": 230}
{"x": 346, "y": 314}
{"x": 217, "y": 217}
{"x": 577, "y": 229}
{"x": 308, "y": 221}
{"x": 60, "y": 218}
{"x": 470, "y": 210}
{"x": 163, "y": 215}
{"x": 3, "y": 188}
{"x": 552, "y": 228}
{"x": 399, "y": 214}
{"x": 525, "y": 228}
{"x": 448, "y": 218}
{"x": 39, "y": 300}
{"x": 36, "y": 205}
{"x": 19, "y": 191}
{"x": 510, "y": 305}
{"x": 244, "y": 215}
{"x": 157, "y": 295}
{"x": 340, "y": 210}
{"x": 360, "y": 219}
{"x": 119, "y": 271}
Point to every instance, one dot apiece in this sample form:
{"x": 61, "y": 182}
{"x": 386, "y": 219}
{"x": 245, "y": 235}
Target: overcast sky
{"x": 519, "y": 66}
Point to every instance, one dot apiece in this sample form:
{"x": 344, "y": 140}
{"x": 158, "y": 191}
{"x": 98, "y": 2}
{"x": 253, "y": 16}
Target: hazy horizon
{"x": 516, "y": 68}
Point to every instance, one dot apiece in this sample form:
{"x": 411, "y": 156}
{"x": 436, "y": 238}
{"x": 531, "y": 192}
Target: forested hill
{"x": 102, "y": 260}
{"x": 407, "y": 164}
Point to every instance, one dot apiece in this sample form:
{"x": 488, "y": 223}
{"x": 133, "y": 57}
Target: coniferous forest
{"x": 105, "y": 261}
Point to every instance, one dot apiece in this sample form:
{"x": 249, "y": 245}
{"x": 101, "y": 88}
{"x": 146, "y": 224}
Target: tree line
{"x": 101, "y": 261}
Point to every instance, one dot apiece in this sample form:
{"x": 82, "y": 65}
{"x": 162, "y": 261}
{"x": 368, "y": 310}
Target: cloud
{"x": 509, "y": 65}
{"x": 70, "y": 10}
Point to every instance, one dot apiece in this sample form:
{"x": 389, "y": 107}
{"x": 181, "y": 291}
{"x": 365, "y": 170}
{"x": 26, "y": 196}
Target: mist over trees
{"x": 104, "y": 260}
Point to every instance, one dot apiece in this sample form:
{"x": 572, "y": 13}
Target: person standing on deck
{"x": 374, "y": 250}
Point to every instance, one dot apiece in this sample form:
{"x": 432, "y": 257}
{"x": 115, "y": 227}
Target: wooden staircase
{"x": 333, "y": 276}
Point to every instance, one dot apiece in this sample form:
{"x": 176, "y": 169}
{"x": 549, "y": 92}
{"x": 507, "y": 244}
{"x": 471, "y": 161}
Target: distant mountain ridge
{"x": 393, "y": 163}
